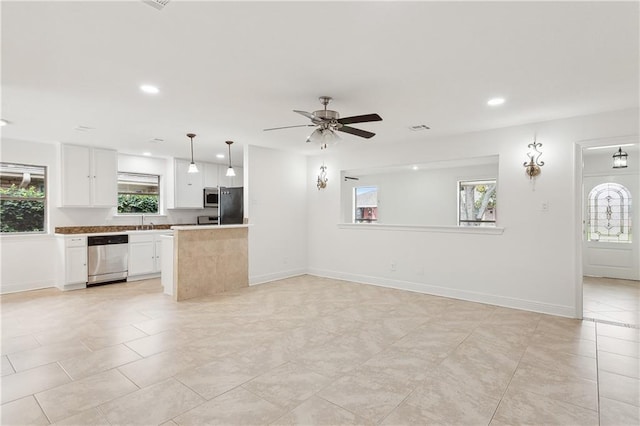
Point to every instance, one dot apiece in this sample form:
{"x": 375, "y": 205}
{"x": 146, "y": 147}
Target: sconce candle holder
{"x": 534, "y": 163}
{"x": 322, "y": 177}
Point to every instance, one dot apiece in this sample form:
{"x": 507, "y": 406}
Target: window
{"x": 365, "y": 204}
{"x": 477, "y": 203}
{"x": 138, "y": 193}
{"x": 23, "y": 200}
{"x": 609, "y": 214}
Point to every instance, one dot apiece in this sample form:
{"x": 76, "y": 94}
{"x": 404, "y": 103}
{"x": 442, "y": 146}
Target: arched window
{"x": 609, "y": 213}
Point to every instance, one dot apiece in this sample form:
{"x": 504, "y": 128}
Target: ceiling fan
{"x": 327, "y": 122}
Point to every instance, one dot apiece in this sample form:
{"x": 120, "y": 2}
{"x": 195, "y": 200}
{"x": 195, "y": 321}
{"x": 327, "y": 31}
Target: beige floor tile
{"x": 564, "y": 363}
{"x": 156, "y": 368}
{"x": 25, "y": 411}
{"x": 92, "y": 417}
{"x": 621, "y": 388}
{"x": 164, "y": 341}
{"x": 552, "y": 384}
{"x": 619, "y": 364}
{"x": 371, "y": 397}
{"x": 17, "y": 344}
{"x": 112, "y": 336}
{"x": 219, "y": 376}
{"x": 616, "y": 413}
{"x": 31, "y": 381}
{"x": 405, "y": 366}
{"x": 152, "y": 405}
{"x": 287, "y": 385}
{"x": 619, "y": 346}
{"x": 525, "y": 408}
{"x": 169, "y": 423}
{"x": 98, "y": 361}
{"x": 75, "y": 397}
{"x": 317, "y": 411}
{"x": 236, "y": 407}
{"x": 332, "y": 359}
{"x": 431, "y": 342}
{"x": 566, "y": 344}
{"x": 42, "y": 355}
{"x": 7, "y": 368}
{"x": 443, "y": 399}
{"x": 618, "y": 332}
{"x": 566, "y": 327}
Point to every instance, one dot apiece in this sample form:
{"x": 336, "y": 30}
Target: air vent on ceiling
{"x": 156, "y": 140}
{"x": 82, "y": 128}
{"x": 419, "y": 127}
{"x": 156, "y": 4}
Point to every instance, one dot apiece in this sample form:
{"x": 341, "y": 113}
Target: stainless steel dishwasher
{"x": 108, "y": 258}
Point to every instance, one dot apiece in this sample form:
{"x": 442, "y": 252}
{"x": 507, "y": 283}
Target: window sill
{"x": 483, "y": 230}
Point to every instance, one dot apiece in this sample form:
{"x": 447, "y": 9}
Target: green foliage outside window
{"x": 137, "y": 203}
{"x": 27, "y": 215}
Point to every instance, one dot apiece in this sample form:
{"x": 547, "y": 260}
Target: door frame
{"x": 579, "y": 206}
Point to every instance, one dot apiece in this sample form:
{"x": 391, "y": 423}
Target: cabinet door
{"x": 104, "y": 182}
{"x": 76, "y": 176}
{"x": 76, "y": 265}
{"x": 188, "y": 186}
{"x": 239, "y": 177}
{"x": 158, "y": 252}
{"x": 142, "y": 258}
{"x": 210, "y": 175}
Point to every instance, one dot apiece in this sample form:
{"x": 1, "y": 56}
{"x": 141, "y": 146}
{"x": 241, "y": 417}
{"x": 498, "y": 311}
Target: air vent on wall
{"x": 156, "y": 4}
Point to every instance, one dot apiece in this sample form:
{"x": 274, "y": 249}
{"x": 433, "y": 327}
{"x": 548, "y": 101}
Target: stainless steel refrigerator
{"x": 230, "y": 205}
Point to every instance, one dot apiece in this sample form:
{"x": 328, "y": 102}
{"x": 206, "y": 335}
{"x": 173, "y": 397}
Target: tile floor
{"x": 306, "y": 351}
{"x": 612, "y": 300}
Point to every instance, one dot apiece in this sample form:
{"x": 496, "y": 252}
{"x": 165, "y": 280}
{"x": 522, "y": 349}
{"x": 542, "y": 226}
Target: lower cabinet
{"x": 144, "y": 255}
{"x": 73, "y": 274}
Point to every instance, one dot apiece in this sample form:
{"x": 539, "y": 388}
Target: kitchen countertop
{"x": 120, "y": 229}
{"x": 203, "y": 227}
{"x": 130, "y": 232}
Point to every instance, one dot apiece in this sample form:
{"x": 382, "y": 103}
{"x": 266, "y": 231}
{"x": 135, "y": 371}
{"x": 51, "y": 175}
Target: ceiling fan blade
{"x": 307, "y": 114}
{"x": 288, "y": 127}
{"x": 356, "y": 132}
{"x": 360, "y": 119}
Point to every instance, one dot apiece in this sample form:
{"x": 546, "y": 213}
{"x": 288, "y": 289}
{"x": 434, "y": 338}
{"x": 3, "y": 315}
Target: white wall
{"x": 276, "y": 206}
{"x": 530, "y": 266}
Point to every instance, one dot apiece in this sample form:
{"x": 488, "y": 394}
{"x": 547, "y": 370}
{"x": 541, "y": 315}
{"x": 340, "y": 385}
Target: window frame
{"x": 44, "y": 200}
{"x": 158, "y": 213}
{"x": 476, "y": 223}
{"x": 626, "y": 212}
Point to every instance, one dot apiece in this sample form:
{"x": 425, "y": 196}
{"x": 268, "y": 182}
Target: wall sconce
{"x": 534, "y": 163}
{"x": 322, "y": 177}
{"x": 620, "y": 159}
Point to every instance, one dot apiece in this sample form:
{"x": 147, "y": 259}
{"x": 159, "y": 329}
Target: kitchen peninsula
{"x": 206, "y": 260}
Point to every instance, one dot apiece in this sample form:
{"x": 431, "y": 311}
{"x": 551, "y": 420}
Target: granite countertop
{"x": 107, "y": 229}
{"x": 203, "y": 227}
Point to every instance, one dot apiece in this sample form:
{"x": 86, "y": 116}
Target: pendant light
{"x": 192, "y": 166}
{"x": 620, "y": 159}
{"x": 230, "y": 171}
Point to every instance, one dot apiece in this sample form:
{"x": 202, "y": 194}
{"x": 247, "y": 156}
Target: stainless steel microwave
{"x": 210, "y": 197}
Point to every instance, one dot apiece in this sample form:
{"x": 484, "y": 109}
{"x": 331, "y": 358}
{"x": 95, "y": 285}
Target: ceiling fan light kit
{"x": 328, "y": 122}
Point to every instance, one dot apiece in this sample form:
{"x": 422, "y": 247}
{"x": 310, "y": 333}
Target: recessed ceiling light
{"x": 219, "y": 155}
{"x": 495, "y": 101}
{"x": 3, "y": 122}
{"x": 415, "y": 167}
{"x": 146, "y": 154}
{"x": 147, "y": 88}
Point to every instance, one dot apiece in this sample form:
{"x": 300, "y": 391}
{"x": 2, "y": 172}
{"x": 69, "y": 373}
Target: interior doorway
{"x": 610, "y": 247}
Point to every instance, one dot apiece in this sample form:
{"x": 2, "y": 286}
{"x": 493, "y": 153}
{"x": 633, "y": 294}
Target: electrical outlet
{"x": 544, "y": 206}
{"x": 393, "y": 265}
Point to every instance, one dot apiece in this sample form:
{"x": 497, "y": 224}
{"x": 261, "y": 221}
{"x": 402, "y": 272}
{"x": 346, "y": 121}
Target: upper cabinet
{"x": 188, "y": 186}
{"x": 89, "y": 177}
{"x": 211, "y": 175}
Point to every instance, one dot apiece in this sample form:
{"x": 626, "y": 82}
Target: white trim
{"x": 143, "y": 277}
{"x": 486, "y": 230}
{"x": 262, "y": 279}
{"x": 508, "y": 302}
{"x": 17, "y": 288}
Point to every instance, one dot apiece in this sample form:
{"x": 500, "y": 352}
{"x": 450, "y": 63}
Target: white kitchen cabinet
{"x": 144, "y": 254}
{"x": 89, "y": 177}
{"x": 188, "y": 186}
{"x": 211, "y": 175}
{"x": 73, "y": 262}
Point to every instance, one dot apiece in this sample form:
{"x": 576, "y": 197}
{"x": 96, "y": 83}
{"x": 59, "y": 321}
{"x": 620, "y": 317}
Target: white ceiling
{"x": 226, "y": 70}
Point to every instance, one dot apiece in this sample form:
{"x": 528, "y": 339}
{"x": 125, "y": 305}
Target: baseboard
{"x": 265, "y": 278}
{"x": 471, "y": 296}
{"x": 16, "y": 288}
{"x": 143, "y": 277}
